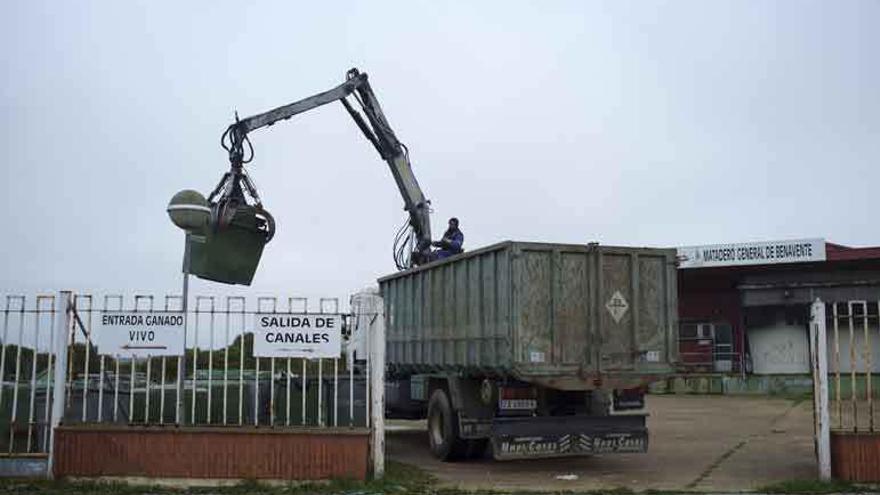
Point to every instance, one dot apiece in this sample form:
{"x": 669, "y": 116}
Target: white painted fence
{"x": 48, "y": 351}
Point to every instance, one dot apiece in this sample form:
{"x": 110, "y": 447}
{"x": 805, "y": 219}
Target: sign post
{"x": 63, "y": 311}
{"x": 376, "y": 339}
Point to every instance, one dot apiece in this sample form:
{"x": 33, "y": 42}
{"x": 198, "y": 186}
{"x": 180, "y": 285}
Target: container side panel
{"x": 448, "y": 315}
{"x": 440, "y": 317}
{"x": 399, "y": 323}
{"x": 542, "y": 313}
{"x": 391, "y": 324}
{"x": 411, "y": 326}
{"x": 534, "y": 306}
{"x": 460, "y": 328}
{"x": 435, "y": 312}
{"x": 671, "y": 310}
{"x": 595, "y": 309}
{"x": 427, "y": 346}
{"x": 571, "y": 311}
{"x": 616, "y": 310}
{"x": 489, "y": 313}
{"x": 403, "y": 306}
{"x": 651, "y": 333}
{"x": 418, "y": 319}
{"x": 441, "y": 324}
{"x": 504, "y": 304}
{"x": 475, "y": 334}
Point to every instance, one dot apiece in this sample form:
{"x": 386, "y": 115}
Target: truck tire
{"x": 443, "y": 436}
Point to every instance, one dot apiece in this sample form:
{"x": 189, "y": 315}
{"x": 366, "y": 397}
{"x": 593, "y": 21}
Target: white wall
{"x": 783, "y": 349}
{"x": 858, "y": 344}
{"x": 779, "y": 349}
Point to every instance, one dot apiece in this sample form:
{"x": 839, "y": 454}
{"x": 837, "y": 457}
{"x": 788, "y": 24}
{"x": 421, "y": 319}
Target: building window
{"x": 707, "y": 346}
{"x": 696, "y": 331}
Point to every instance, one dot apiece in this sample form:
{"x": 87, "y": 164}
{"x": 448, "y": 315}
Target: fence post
{"x": 63, "y": 308}
{"x": 377, "y": 389}
{"x": 819, "y": 357}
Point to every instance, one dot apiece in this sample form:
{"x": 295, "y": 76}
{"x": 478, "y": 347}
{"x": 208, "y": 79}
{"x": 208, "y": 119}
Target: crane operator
{"x": 451, "y": 242}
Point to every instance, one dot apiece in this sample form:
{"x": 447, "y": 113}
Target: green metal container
{"x": 230, "y": 255}
{"x": 570, "y": 317}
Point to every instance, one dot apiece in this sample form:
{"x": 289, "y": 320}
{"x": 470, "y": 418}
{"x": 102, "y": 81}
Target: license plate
{"x": 518, "y": 404}
{"x": 628, "y": 399}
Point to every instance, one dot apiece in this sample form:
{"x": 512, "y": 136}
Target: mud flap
{"x": 563, "y": 436}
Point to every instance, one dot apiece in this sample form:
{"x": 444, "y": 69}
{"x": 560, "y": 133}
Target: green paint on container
{"x": 229, "y": 255}
{"x": 564, "y": 316}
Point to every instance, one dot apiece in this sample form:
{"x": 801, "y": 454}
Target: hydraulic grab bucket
{"x": 230, "y": 255}
{"x": 224, "y": 238}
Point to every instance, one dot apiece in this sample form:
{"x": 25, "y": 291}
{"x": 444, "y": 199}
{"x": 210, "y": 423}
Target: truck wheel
{"x": 443, "y": 436}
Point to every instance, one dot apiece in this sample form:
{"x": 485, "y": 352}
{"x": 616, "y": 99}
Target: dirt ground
{"x": 705, "y": 443}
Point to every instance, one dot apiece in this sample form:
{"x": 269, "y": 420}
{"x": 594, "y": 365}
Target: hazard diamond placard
{"x": 617, "y": 306}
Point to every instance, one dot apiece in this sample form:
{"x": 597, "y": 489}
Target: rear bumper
{"x": 564, "y": 436}
{"x": 576, "y": 379}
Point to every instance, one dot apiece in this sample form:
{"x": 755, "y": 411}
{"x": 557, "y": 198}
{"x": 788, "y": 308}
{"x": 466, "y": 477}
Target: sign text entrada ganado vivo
{"x": 755, "y": 253}
{"x": 140, "y": 333}
{"x": 147, "y": 320}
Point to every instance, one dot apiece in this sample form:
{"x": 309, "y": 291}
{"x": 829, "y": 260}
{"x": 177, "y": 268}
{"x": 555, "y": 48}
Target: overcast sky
{"x": 643, "y": 123}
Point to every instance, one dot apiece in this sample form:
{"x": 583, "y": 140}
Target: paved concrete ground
{"x": 705, "y": 443}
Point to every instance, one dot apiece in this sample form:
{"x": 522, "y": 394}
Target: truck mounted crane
{"x": 412, "y": 245}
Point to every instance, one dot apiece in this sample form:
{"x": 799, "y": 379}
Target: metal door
{"x": 723, "y": 349}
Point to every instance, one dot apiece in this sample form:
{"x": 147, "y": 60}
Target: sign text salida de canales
{"x": 278, "y": 329}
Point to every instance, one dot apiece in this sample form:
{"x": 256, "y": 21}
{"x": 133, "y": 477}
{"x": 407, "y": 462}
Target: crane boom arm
{"x": 285, "y": 112}
{"x": 375, "y": 128}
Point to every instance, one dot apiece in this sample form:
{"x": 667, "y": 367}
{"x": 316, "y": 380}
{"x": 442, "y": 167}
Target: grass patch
{"x": 402, "y": 479}
{"x": 399, "y": 479}
{"x": 814, "y": 487}
{"x": 50, "y": 487}
{"x": 609, "y": 491}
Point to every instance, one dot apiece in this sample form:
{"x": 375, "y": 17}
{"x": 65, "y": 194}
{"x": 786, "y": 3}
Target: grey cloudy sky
{"x": 643, "y": 123}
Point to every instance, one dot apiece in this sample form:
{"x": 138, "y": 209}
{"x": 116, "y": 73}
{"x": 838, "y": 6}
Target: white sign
{"x": 297, "y": 335}
{"x": 140, "y": 333}
{"x": 752, "y": 253}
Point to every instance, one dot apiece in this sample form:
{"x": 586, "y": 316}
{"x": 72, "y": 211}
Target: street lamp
{"x": 188, "y": 210}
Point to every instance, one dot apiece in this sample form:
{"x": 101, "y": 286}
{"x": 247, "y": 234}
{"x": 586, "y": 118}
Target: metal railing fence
{"x": 703, "y": 355}
{"x": 223, "y": 384}
{"x": 853, "y": 340}
{"x": 26, "y": 363}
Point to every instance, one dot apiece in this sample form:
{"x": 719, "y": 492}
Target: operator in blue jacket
{"x": 451, "y": 243}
